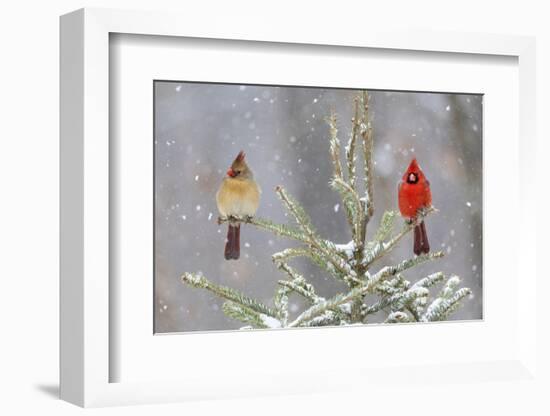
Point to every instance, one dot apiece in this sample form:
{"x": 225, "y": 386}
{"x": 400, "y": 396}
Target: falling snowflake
{"x": 336, "y": 207}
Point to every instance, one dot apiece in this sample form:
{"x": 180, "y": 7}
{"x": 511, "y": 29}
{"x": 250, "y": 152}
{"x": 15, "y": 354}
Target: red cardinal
{"x": 414, "y": 194}
{"x": 239, "y": 195}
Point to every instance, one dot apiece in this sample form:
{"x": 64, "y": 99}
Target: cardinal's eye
{"x": 237, "y": 172}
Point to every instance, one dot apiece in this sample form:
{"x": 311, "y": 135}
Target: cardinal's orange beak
{"x": 230, "y": 172}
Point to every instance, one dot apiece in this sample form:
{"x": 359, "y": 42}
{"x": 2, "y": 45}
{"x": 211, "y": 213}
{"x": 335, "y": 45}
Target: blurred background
{"x": 200, "y": 128}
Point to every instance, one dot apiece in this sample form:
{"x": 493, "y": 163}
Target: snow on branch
{"x": 368, "y": 292}
{"x": 365, "y": 128}
{"x": 448, "y": 301}
{"x": 199, "y": 281}
{"x": 377, "y": 249}
{"x": 248, "y": 316}
{"x": 397, "y": 317}
{"x": 350, "y": 147}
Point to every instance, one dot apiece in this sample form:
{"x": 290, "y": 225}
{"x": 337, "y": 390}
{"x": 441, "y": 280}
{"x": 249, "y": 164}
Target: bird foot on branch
{"x": 235, "y": 219}
{"x": 421, "y": 214}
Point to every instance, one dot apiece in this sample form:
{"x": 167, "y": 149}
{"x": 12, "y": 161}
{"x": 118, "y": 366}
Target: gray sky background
{"x": 199, "y": 128}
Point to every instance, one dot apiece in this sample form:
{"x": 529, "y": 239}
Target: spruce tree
{"x": 353, "y": 263}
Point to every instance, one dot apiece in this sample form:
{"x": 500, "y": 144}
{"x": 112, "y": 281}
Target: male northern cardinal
{"x": 414, "y": 194}
{"x": 239, "y": 195}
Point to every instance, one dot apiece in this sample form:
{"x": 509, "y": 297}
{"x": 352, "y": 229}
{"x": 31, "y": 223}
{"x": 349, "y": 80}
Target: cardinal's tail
{"x": 233, "y": 243}
{"x": 421, "y": 244}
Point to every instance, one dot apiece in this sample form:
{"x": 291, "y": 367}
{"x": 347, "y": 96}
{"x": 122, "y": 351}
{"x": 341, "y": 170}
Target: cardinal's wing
{"x": 428, "y": 194}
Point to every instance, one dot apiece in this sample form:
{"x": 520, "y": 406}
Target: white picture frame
{"x": 87, "y": 356}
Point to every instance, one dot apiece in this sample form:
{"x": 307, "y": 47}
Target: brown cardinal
{"x": 239, "y": 195}
{"x": 414, "y": 195}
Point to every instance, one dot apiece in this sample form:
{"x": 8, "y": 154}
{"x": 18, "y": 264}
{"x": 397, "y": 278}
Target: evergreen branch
{"x": 397, "y": 317}
{"x": 293, "y": 274}
{"x": 377, "y": 250}
{"x": 447, "y": 302}
{"x": 430, "y": 280}
{"x": 415, "y": 310}
{"x": 327, "y": 319}
{"x": 406, "y": 264}
{"x": 317, "y": 258}
{"x": 352, "y": 205}
{"x": 322, "y": 307}
{"x": 290, "y": 253}
{"x": 409, "y": 297}
{"x": 342, "y": 269}
{"x": 350, "y": 148}
{"x": 386, "y": 225}
{"x": 314, "y": 255}
{"x": 336, "y": 267}
{"x": 449, "y": 288}
{"x": 359, "y": 292}
{"x": 416, "y": 307}
{"x": 349, "y": 196}
{"x": 440, "y": 308}
{"x": 348, "y": 262}
{"x": 334, "y": 145}
{"x": 340, "y": 299}
{"x": 297, "y": 283}
{"x": 300, "y": 215}
{"x": 249, "y": 316}
{"x": 310, "y": 252}
{"x": 398, "y": 301}
{"x": 281, "y": 304}
{"x": 199, "y": 281}
{"x": 393, "y": 286}
{"x": 305, "y": 290}
{"x": 346, "y": 250}
{"x": 368, "y": 145}
{"x": 281, "y": 230}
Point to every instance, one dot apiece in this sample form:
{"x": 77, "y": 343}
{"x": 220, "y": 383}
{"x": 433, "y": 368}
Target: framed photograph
{"x": 217, "y": 146}
{"x": 240, "y": 212}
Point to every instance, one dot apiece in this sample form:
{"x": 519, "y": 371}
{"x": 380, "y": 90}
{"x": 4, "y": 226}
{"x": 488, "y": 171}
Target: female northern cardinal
{"x": 239, "y": 195}
{"x": 414, "y": 194}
